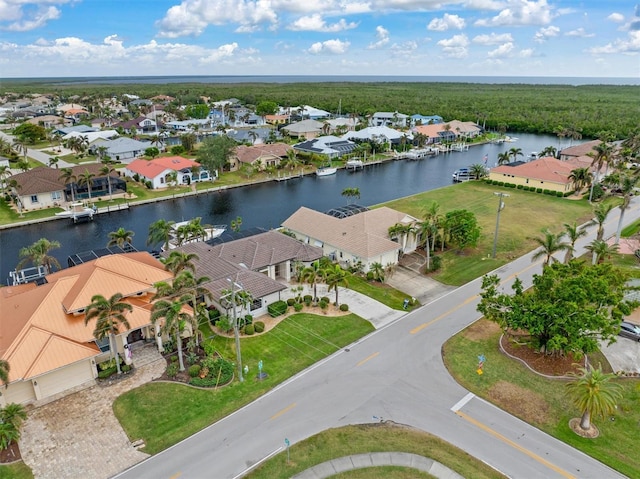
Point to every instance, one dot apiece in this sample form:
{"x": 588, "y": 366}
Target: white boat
{"x": 463, "y": 174}
{"x": 533, "y": 156}
{"x": 326, "y": 171}
{"x": 354, "y": 164}
{"x": 78, "y": 210}
{"x": 210, "y": 232}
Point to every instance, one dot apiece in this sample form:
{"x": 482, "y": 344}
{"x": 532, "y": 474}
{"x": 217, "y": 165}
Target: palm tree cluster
{"x": 12, "y": 417}
{"x": 320, "y": 271}
{"x": 38, "y": 255}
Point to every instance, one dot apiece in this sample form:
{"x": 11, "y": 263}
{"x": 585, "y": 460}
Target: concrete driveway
{"x": 623, "y": 355}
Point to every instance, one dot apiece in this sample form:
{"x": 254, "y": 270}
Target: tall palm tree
{"x": 5, "y": 173}
{"x": 549, "y": 151}
{"x": 69, "y": 178}
{"x": 174, "y": 320}
{"x": 335, "y": 276}
{"x": 4, "y": 371}
{"x": 581, "y": 177}
{"x": 160, "y": 232}
{"x": 120, "y": 237}
{"x": 601, "y": 211}
{"x": 106, "y": 170}
{"x": 627, "y": 187}
{"x": 515, "y": 152}
{"x": 601, "y": 155}
{"x": 504, "y": 158}
{"x": 109, "y": 315}
{"x": 86, "y": 178}
{"x": 178, "y": 261}
{"x": 600, "y": 250}
{"x": 185, "y": 284}
{"x": 38, "y": 254}
{"x": 378, "y": 271}
{"x": 594, "y": 393}
{"x": 550, "y": 244}
{"x": 573, "y": 233}
{"x": 312, "y": 275}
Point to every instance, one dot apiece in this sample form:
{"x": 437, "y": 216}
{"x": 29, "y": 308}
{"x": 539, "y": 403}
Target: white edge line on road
{"x": 460, "y": 404}
{"x": 265, "y": 458}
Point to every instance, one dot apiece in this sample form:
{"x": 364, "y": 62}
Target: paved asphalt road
{"x": 395, "y": 373}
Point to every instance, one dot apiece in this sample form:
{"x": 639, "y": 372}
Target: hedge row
{"x": 544, "y": 191}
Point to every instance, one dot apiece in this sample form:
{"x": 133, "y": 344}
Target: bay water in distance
{"x": 264, "y": 205}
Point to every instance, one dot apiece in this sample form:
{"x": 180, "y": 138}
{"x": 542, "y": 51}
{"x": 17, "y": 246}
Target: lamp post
{"x": 236, "y": 331}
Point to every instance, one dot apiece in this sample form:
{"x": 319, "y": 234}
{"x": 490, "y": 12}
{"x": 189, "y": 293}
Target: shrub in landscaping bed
{"x": 277, "y": 308}
{"x": 194, "y": 370}
{"x": 249, "y": 330}
{"x": 291, "y": 301}
{"x": 220, "y": 371}
{"x": 298, "y": 307}
{"x": 325, "y": 299}
{"x": 258, "y": 326}
{"x": 172, "y": 370}
{"x": 344, "y": 307}
{"x": 105, "y": 373}
{"x": 307, "y": 297}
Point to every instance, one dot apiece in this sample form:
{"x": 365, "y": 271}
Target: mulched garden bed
{"x": 10, "y": 454}
{"x": 549, "y": 365}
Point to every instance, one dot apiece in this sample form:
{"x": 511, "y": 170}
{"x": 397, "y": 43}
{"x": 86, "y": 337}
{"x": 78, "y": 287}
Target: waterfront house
{"x": 159, "y": 171}
{"x": 378, "y": 134}
{"x": 362, "y": 238}
{"x": 123, "y": 149}
{"x": 435, "y": 133}
{"x": 418, "y": 120}
{"x": 577, "y": 151}
{"x": 50, "y": 351}
{"x": 307, "y": 129}
{"x": 329, "y": 146}
{"x": 261, "y": 156}
{"x": 261, "y": 264}
{"x": 388, "y": 118}
{"x": 43, "y": 187}
{"x": 546, "y": 173}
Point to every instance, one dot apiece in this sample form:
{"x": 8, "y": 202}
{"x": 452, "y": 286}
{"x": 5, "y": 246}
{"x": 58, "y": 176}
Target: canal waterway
{"x": 264, "y": 205}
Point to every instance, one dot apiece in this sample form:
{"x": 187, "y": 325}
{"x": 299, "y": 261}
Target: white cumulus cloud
{"x": 382, "y": 38}
{"x": 335, "y": 46}
{"x": 315, "y": 23}
{"x": 493, "y": 39}
{"x": 455, "y": 46}
{"x": 21, "y": 20}
{"x": 520, "y": 12}
{"x": 580, "y": 32}
{"x": 630, "y": 45}
{"x": 502, "y": 51}
{"x": 616, "y": 17}
{"x": 545, "y": 33}
{"x": 446, "y": 22}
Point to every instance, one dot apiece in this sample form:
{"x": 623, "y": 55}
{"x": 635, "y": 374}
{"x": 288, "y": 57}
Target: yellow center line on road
{"x": 176, "y": 475}
{"x": 532, "y": 455}
{"x": 367, "y": 359}
{"x": 417, "y": 329}
{"x": 280, "y": 413}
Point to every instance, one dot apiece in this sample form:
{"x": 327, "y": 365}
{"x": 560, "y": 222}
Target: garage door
{"x": 65, "y": 378}
{"x": 19, "y": 393}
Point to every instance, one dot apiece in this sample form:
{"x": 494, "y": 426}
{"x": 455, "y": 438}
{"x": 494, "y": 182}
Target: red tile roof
{"x": 155, "y": 167}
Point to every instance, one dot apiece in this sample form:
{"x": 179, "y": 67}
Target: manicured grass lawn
{"x": 18, "y": 470}
{"x": 379, "y": 291}
{"x": 542, "y": 402}
{"x": 525, "y": 215}
{"x": 335, "y": 443}
{"x": 163, "y": 413}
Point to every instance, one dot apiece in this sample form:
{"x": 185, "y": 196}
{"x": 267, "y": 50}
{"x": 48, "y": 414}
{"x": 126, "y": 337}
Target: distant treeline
{"x": 588, "y": 109}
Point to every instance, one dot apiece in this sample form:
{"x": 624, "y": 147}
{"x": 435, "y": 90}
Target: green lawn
{"x": 542, "y": 402}
{"x": 19, "y": 470}
{"x": 379, "y": 291}
{"x": 335, "y": 443}
{"x": 540, "y": 211}
{"x": 149, "y": 412}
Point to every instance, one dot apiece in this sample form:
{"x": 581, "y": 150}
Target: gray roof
{"x": 327, "y": 145}
{"x": 123, "y": 145}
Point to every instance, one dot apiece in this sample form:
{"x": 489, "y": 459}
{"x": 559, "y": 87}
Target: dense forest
{"x": 588, "y": 110}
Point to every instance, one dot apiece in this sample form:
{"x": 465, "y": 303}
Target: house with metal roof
{"x": 378, "y": 134}
{"x": 329, "y": 146}
{"x": 50, "y": 350}
{"x": 358, "y": 238}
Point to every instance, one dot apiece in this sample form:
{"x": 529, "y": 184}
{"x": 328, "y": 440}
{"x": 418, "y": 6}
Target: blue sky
{"x": 41, "y": 38}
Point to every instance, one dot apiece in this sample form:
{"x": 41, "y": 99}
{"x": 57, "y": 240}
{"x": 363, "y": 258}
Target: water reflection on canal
{"x": 265, "y": 205}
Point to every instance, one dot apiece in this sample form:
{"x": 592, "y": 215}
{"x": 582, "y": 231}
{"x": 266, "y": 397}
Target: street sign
{"x": 286, "y": 441}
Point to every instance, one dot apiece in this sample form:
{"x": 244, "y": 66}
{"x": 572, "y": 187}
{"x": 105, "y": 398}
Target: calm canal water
{"x": 266, "y": 205}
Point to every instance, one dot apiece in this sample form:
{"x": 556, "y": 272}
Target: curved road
{"x": 395, "y": 373}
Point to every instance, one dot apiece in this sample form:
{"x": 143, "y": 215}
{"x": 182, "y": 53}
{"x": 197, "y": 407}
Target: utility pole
{"x": 236, "y": 332}
{"x": 500, "y": 206}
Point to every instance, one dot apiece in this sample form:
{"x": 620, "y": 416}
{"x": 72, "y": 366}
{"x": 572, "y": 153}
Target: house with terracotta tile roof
{"x": 577, "y": 151}
{"x": 43, "y": 335}
{"x": 547, "y": 173}
{"x": 276, "y": 119}
{"x": 261, "y": 264}
{"x": 160, "y": 170}
{"x": 261, "y": 155}
{"x": 362, "y": 237}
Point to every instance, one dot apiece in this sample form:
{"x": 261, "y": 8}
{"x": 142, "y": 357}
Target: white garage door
{"x": 65, "y": 378}
{"x": 19, "y": 393}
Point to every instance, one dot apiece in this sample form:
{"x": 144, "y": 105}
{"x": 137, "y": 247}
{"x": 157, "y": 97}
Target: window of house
{"x": 34, "y": 198}
{"x": 256, "y": 304}
{"x": 56, "y": 195}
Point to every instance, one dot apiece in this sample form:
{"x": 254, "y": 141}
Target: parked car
{"x": 630, "y": 330}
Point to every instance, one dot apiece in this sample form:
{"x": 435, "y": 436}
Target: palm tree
{"x": 504, "y": 158}
{"x": 600, "y": 249}
{"x": 581, "y": 177}
{"x": 120, "y": 237}
{"x": 86, "y": 178}
{"x": 594, "y": 393}
{"x": 601, "y": 154}
{"x": 179, "y": 261}
{"x": 20, "y": 145}
{"x": 12, "y": 416}
{"x": 160, "y": 232}
{"x": 378, "y": 271}
{"x": 601, "y": 211}
{"x": 109, "y": 315}
{"x": 53, "y": 161}
{"x": 313, "y": 274}
{"x": 38, "y": 254}
{"x": 335, "y": 276}
{"x": 478, "y": 171}
{"x": 514, "y": 152}
{"x": 574, "y": 233}
{"x": 550, "y": 244}
{"x": 174, "y": 320}
{"x": 627, "y": 187}
{"x": 5, "y": 173}
{"x": 4, "y": 371}
{"x": 106, "y": 170}
{"x": 69, "y": 178}
{"x": 253, "y": 135}
{"x": 549, "y": 151}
